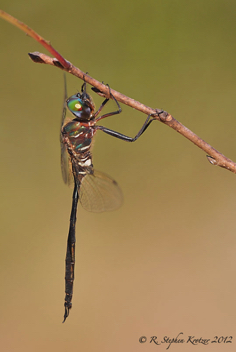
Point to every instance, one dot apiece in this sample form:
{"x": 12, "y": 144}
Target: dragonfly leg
{"x": 83, "y": 88}
{"x": 124, "y": 137}
{"x": 101, "y": 107}
{"x": 104, "y": 103}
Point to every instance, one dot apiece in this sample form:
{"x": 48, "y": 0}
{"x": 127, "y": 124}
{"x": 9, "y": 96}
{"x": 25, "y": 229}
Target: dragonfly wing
{"x": 66, "y": 168}
{"x": 99, "y": 192}
{"x": 64, "y": 104}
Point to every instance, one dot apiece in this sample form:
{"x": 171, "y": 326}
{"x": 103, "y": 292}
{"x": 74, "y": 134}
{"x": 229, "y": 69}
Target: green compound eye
{"x": 74, "y": 105}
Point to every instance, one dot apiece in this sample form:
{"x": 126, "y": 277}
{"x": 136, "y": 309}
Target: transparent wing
{"x": 99, "y": 192}
{"x": 66, "y": 168}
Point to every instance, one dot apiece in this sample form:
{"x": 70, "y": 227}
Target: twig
{"x": 213, "y": 156}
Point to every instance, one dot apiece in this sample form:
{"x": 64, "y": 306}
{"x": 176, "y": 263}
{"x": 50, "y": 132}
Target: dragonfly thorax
{"x": 77, "y": 136}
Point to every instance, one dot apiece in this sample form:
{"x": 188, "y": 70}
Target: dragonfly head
{"x": 81, "y": 105}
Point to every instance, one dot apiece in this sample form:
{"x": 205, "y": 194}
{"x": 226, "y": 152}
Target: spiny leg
{"x": 124, "y": 137}
{"x": 104, "y": 103}
{"x": 83, "y": 88}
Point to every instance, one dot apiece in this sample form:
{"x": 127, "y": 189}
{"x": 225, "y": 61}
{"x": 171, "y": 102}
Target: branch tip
{"x": 36, "y": 58}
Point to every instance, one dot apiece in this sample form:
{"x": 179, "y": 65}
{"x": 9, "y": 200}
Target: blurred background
{"x": 165, "y": 262}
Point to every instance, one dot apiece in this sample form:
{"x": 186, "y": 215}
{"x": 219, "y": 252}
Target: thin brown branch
{"x": 35, "y": 36}
{"x": 213, "y": 156}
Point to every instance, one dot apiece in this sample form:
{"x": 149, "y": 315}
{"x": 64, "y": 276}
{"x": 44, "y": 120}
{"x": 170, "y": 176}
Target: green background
{"x": 164, "y": 263}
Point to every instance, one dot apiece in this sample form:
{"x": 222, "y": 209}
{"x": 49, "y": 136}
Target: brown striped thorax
{"x": 78, "y": 135}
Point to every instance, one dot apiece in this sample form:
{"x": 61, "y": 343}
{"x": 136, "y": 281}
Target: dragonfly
{"x": 96, "y": 191}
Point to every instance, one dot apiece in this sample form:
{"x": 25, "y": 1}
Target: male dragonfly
{"x": 96, "y": 191}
